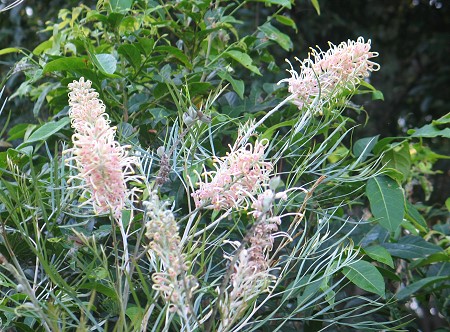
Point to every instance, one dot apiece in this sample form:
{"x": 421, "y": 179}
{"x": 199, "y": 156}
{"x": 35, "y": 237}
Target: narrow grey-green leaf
{"x": 43, "y": 94}
{"x": 365, "y": 276}
{"x": 386, "y": 202}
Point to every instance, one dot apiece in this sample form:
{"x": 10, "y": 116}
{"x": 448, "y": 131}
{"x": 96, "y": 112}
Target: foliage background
{"x": 410, "y": 36}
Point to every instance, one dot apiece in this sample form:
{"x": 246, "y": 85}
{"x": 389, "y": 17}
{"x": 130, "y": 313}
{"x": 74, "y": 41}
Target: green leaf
{"x": 379, "y": 254}
{"x": 176, "y": 53}
{"x": 243, "y": 59}
{"x": 399, "y": 159}
{"x": 447, "y": 203}
{"x": 238, "y": 85}
{"x": 106, "y": 63}
{"x": 438, "y": 257}
{"x": 432, "y": 130}
{"x": 415, "y": 286}
{"x": 286, "y": 21}
{"x": 277, "y": 36}
{"x": 409, "y": 247}
{"x": 47, "y": 130}
{"x": 386, "y": 202}
{"x": 68, "y": 64}
{"x": 316, "y": 5}
{"x": 415, "y": 217}
{"x": 283, "y": 3}
{"x": 9, "y": 50}
{"x": 364, "y": 146}
{"x": 101, "y": 288}
{"x": 131, "y": 53}
{"x": 120, "y": 5}
{"x": 365, "y": 276}
{"x": 43, "y": 94}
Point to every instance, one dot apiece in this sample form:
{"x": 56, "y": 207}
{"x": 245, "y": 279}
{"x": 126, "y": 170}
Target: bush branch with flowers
{"x": 191, "y": 214}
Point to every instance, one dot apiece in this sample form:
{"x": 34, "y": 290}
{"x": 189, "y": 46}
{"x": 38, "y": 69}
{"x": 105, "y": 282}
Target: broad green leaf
{"x": 101, "y": 288}
{"x": 169, "y": 51}
{"x": 243, "y": 59}
{"x": 47, "y": 130}
{"x": 365, "y": 276}
{"x": 238, "y": 85}
{"x": 69, "y": 64}
{"x": 316, "y": 5}
{"x": 386, "y": 202}
{"x": 438, "y": 257}
{"x": 432, "y": 130}
{"x": 283, "y": 3}
{"x": 399, "y": 159}
{"x": 409, "y": 247}
{"x": 18, "y": 131}
{"x": 364, "y": 146}
{"x": 9, "y": 50}
{"x": 379, "y": 254}
{"x": 286, "y": 21}
{"x": 415, "y": 217}
{"x": 277, "y": 36}
{"x": 415, "y": 286}
{"x": 106, "y": 63}
{"x": 121, "y": 5}
{"x": 131, "y": 53}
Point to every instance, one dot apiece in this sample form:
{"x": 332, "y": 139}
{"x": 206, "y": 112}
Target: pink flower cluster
{"x": 237, "y": 177}
{"x": 103, "y": 164}
{"x": 342, "y": 66}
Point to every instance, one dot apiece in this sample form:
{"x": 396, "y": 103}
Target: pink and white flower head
{"x": 103, "y": 164}
{"x": 238, "y": 176}
{"x": 325, "y": 74}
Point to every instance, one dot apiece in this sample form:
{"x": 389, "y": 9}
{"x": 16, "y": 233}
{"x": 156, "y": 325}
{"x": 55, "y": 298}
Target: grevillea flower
{"x": 172, "y": 281}
{"x": 103, "y": 164}
{"x": 237, "y": 177}
{"x": 325, "y": 74}
{"x": 251, "y": 271}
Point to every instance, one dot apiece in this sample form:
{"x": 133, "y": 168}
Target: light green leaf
{"x": 121, "y": 5}
{"x": 386, "y": 202}
{"x": 399, "y": 159}
{"x": 365, "y": 276}
{"x": 43, "y": 94}
{"x": 47, "y": 130}
{"x": 432, "y": 130}
{"x": 9, "y": 50}
{"x": 106, "y": 63}
{"x": 316, "y": 5}
{"x": 243, "y": 59}
{"x": 379, "y": 254}
{"x": 415, "y": 286}
{"x": 283, "y": 3}
{"x": 277, "y": 36}
{"x": 68, "y": 64}
{"x": 238, "y": 85}
{"x": 286, "y": 21}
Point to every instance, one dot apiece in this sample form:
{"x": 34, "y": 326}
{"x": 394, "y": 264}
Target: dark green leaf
{"x": 277, "y": 36}
{"x": 415, "y": 217}
{"x": 415, "y": 286}
{"x": 131, "y": 53}
{"x": 176, "y": 53}
{"x": 386, "y": 202}
{"x": 365, "y": 276}
{"x": 409, "y": 247}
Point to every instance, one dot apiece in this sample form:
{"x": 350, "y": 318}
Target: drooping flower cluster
{"x": 173, "y": 282}
{"x": 326, "y": 73}
{"x": 238, "y": 176}
{"x": 103, "y": 164}
{"x": 251, "y": 275}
